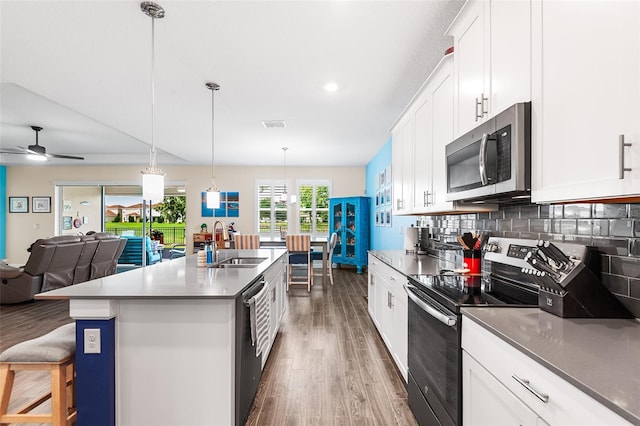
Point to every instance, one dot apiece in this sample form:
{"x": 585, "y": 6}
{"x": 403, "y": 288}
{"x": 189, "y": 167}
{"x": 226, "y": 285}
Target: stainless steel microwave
{"x": 493, "y": 161}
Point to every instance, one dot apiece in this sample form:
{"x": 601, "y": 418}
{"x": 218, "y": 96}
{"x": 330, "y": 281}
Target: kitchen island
{"x": 158, "y": 345}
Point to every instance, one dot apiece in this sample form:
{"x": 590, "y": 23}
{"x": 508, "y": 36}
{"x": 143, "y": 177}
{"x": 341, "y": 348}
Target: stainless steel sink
{"x": 235, "y": 265}
{"x": 237, "y": 261}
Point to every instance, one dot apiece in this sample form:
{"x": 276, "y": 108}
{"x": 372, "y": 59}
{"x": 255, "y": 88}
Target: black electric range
{"x": 434, "y": 323}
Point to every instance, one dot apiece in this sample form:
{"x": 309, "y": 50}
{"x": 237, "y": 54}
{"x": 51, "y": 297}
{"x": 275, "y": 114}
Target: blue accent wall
{"x": 3, "y": 212}
{"x": 382, "y": 237}
{"x": 96, "y": 376}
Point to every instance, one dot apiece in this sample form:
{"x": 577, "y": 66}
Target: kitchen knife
{"x": 554, "y": 253}
{"x": 540, "y": 265}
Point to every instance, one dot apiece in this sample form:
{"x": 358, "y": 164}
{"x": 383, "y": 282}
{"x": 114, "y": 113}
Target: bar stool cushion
{"x": 52, "y": 347}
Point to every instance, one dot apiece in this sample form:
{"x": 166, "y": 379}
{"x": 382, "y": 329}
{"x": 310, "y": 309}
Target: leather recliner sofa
{"x": 58, "y": 262}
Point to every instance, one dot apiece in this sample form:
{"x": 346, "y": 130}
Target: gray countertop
{"x": 411, "y": 264}
{"x": 601, "y": 357}
{"x": 177, "y": 278}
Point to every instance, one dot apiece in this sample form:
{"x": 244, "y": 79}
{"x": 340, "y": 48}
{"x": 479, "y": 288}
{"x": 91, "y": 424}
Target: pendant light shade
{"x": 213, "y": 194}
{"x": 153, "y": 185}
{"x": 152, "y": 176}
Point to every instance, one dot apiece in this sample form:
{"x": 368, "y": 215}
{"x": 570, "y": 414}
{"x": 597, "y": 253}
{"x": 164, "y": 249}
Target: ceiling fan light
{"x": 153, "y": 184}
{"x": 36, "y": 157}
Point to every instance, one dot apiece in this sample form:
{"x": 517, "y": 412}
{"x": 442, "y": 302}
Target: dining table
{"x": 322, "y": 242}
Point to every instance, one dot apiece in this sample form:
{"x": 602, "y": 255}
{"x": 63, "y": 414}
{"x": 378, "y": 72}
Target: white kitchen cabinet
{"x": 486, "y": 402}
{"x": 432, "y": 114}
{"x": 275, "y": 278}
{"x": 423, "y": 154}
{"x": 585, "y": 91}
{"x": 373, "y": 294}
{"x": 520, "y": 378}
{"x": 492, "y": 70}
{"x": 390, "y": 309}
{"x": 402, "y": 166}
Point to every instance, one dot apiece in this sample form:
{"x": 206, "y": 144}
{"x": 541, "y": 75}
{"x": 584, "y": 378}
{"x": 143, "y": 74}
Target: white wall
{"x": 90, "y": 214}
{"x": 23, "y": 229}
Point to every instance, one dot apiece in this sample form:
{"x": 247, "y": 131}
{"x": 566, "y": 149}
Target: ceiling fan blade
{"x": 13, "y": 152}
{"x": 68, "y": 157}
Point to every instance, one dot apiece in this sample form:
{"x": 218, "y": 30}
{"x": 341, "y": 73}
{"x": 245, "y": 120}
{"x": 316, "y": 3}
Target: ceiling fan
{"x": 38, "y": 152}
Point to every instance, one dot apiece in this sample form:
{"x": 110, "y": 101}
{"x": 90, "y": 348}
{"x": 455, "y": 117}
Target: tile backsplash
{"x": 613, "y": 228}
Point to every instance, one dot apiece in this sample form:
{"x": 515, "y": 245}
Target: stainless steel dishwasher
{"x": 248, "y": 365}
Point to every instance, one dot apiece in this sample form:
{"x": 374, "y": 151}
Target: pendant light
{"x": 152, "y": 176}
{"x": 285, "y": 198}
{"x": 213, "y": 194}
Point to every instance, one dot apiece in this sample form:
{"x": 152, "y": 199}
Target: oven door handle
{"x": 445, "y": 319}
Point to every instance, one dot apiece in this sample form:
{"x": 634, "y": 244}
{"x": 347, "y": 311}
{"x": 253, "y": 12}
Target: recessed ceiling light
{"x": 331, "y": 87}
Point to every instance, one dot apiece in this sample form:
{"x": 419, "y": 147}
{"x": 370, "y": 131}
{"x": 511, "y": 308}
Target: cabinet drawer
{"x": 533, "y": 383}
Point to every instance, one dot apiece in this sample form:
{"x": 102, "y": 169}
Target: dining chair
{"x": 299, "y": 270}
{"x": 246, "y": 241}
{"x": 332, "y": 244}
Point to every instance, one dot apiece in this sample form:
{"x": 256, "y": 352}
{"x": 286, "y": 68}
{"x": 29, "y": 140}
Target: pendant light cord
{"x": 213, "y": 87}
{"x": 153, "y": 92}
{"x": 213, "y": 175}
{"x": 284, "y": 174}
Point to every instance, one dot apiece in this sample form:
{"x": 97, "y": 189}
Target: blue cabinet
{"x": 349, "y": 218}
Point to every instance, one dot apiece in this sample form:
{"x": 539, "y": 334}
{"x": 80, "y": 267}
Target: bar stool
{"x": 246, "y": 241}
{"x": 53, "y": 352}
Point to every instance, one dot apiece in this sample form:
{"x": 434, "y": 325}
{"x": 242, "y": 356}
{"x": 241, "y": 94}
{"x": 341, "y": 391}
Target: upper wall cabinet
{"x": 402, "y": 166}
{"x": 586, "y": 91}
{"x": 492, "y": 70}
{"x": 418, "y": 149}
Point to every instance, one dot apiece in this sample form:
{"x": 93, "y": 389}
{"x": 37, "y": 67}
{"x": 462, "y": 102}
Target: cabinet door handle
{"x": 623, "y": 145}
{"x": 425, "y": 198}
{"x": 483, "y": 111}
{"x": 478, "y": 116}
{"x": 526, "y": 384}
{"x": 388, "y": 300}
{"x": 398, "y": 204}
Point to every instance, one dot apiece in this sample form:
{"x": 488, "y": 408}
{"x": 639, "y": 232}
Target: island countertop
{"x": 177, "y": 278}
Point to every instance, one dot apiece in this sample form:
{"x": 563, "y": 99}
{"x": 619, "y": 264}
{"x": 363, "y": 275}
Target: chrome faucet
{"x": 225, "y": 237}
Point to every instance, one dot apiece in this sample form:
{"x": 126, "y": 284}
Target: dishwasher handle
{"x": 449, "y": 321}
{"x": 253, "y": 290}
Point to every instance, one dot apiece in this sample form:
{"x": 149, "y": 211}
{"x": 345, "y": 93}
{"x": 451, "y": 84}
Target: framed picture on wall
{"x": 18, "y": 204}
{"x": 41, "y": 204}
{"x": 67, "y": 222}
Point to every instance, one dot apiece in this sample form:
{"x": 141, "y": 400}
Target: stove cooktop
{"x": 456, "y": 291}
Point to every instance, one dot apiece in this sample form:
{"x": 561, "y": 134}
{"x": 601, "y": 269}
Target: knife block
{"x": 582, "y": 296}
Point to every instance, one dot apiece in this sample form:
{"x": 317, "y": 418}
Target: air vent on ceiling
{"x": 274, "y": 124}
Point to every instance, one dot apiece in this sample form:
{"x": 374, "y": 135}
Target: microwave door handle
{"x": 445, "y": 319}
{"x": 482, "y": 163}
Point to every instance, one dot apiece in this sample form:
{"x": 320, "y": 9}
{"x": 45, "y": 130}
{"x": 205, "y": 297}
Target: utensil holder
{"x": 472, "y": 260}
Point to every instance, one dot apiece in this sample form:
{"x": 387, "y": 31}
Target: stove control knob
{"x": 492, "y": 248}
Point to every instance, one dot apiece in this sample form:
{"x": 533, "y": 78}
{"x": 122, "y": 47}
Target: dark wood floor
{"x": 328, "y": 365}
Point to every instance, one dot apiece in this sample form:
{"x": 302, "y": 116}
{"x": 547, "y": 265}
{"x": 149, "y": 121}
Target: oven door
{"x": 434, "y": 360}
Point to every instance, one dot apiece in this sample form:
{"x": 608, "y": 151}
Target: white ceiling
{"x": 82, "y": 71}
